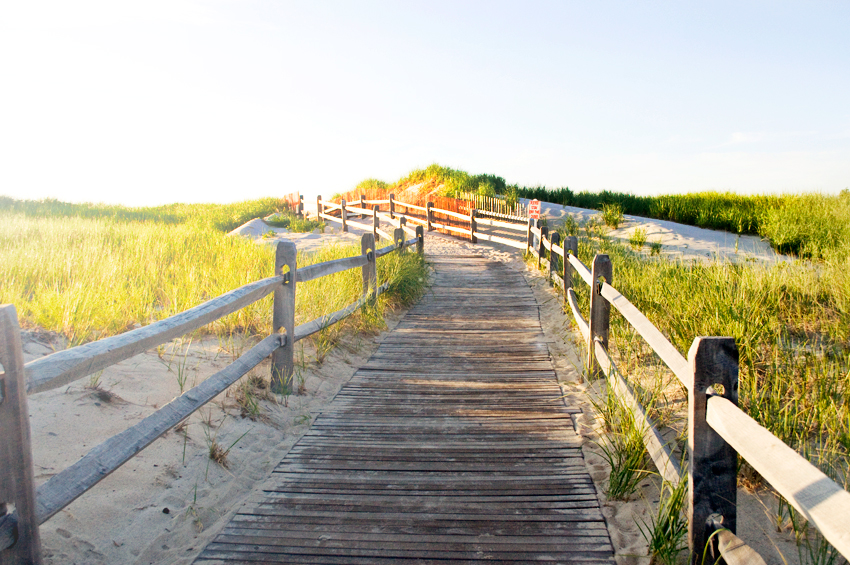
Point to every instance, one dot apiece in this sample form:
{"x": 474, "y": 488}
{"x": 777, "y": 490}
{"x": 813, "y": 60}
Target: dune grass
{"x": 792, "y": 326}
{"x": 88, "y": 275}
{"x": 810, "y": 225}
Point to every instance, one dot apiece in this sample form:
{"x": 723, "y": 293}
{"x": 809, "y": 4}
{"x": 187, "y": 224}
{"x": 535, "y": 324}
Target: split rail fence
{"x": 23, "y": 507}
{"x": 399, "y": 214}
{"x": 718, "y": 431}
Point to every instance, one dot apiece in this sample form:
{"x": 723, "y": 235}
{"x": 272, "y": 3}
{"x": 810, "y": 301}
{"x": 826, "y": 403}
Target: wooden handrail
{"x": 582, "y": 323}
{"x": 64, "y": 487}
{"x": 414, "y": 206}
{"x": 498, "y": 224}
{"x": 357, "y": 210}
{"x": 457, "y": 215}
{"x": 582, "y": 269}
{"x": 820, "y": 500}
{"x": 817, "y": 497}
{"x": 319, "y": 270}
{"x": 656, "y": 340}
{"x": 64, "y": 367}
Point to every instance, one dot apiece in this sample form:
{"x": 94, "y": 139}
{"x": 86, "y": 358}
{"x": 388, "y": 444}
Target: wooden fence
{"x": 718, "y": 431}
{"x": 23, "y": 507}
{"x": 428, "y": 216}
{"x": 496, "y": 207}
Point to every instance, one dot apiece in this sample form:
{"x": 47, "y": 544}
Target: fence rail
{"x": 24, "y": 508}
{"x": 431, "y": 219}
{"x": 718, "y": 431}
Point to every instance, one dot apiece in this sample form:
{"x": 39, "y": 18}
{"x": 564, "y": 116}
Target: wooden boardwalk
{"x": 451, "y": 445}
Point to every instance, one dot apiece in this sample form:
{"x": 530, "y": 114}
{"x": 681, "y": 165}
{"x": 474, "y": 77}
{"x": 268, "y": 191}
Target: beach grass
{"x": 92, "y": 274}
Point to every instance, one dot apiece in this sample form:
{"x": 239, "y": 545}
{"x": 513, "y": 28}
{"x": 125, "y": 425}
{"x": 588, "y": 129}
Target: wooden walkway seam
{"x": 452, "y": 444}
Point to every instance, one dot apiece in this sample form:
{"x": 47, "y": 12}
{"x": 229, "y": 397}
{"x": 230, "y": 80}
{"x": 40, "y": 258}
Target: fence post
{"x": 376, "y": 222}
{"x": 283, "y": 316}
{"x": 712, "y": 471}
{"x": 429, "y": 215}
{"x": 529, "y": 237}
{"x": 344, "y": 215}
{"x": 473, "y": 225}
{"x": 17, "y": 486}
{"x": 392, "y": 206}
{"x": 320, "y": 209}
{"x": 555, "y": 239}
{"x": 570, "y": 248}
{"x": 300, "y": 205}
{"x": 600, "y": 313}
{"x": 370, "y": 273}
{"x": 398, "y": 236}
{"x": 544, "y": 233}
{"x": 420, "y": 245}
{"x": 362, "y": 203}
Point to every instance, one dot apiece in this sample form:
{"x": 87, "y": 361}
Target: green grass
{"x": 219, "y": 217}
{"x": 622, "y": 448}
{"x": 293, "y": 222}
{"x": 809, "y": 225}
{"x": 93, "y": 273}
{"x": 667, "y": 530}
{"x": 638, "y": 239}
{"x": 790, "y": 320}
{"x": 612, "y": 215}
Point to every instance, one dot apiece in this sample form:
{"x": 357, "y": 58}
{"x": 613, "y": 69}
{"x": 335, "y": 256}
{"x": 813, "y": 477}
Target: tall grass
{"x": 91, "y": 277}
{"x": 220, "y": 217}
{"x": 810, "y": 225}
{"x": 791, "y": 324}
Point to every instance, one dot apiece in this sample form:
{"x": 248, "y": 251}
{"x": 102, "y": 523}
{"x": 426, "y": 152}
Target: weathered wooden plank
{"x": 582, "y": 269}
{"x": 451, "y": 228}
{"x": 814, "y": 495}
{"x": 413, "y": 206}
{"x": 384, "y": 250}
{"x": 283, "y": 317}
{"x": 64, "y": 487}
{"x": 21, "y": 543}
{"x": 451, "y": 444}
{"x": 656, "y": 340}
{"x": 64, "y": 367}
{"x": 451, "y": 214}
{"x": 358, "y": 225}
{"x": 499, "y": 224}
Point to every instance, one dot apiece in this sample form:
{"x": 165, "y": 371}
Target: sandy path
{"x": 677, "y": 240}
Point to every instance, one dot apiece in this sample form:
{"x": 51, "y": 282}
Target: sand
{"x": 165, "y": 504}
{"x": 677, "y": 240}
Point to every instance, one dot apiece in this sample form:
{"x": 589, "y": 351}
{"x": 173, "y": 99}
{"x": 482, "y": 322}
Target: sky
{"x": 158, "y": 101}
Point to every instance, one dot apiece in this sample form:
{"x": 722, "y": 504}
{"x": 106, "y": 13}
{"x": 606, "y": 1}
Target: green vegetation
{"x": 791, "y": 322}
{"x": 219, "y": 217}
{"x": 294, "y": 223}
{"x": 612, "y": 215}
{"x": 808, "y": 225}
{"x": 638, "y": 239}
{"x": 93, "y": 273}
{"x": 666, "y": 532}
{"x": 622, "y": 448}
{"x": 443, "y": 181}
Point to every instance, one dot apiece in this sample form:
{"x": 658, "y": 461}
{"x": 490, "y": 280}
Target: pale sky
{"x": 160, "y": 101}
